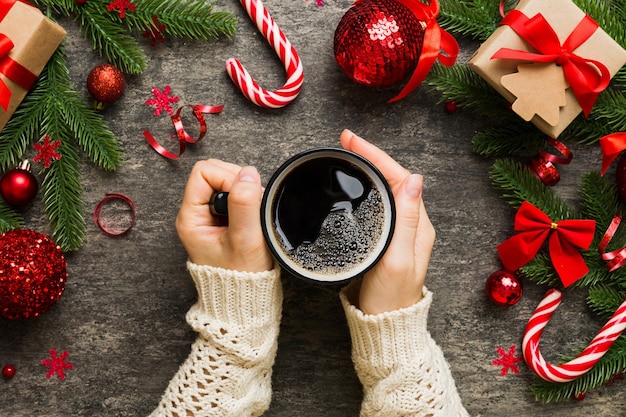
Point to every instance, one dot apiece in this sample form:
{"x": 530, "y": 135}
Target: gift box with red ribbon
{"x": 550, "y": 60}
{"x": 27, "y": 41}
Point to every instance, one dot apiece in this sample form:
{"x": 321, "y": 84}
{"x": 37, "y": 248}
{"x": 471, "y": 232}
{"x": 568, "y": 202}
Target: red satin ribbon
{"x": 611, "y": 146}
{"x": 182, "y": 135}
{"x": 567, "y": 236}
{"x": 587, "y": 77}
{"x": 617, "y": 258}
{"x": 98, "y": 209}
{"x": 543, "y": 164}
{"x": 438, "y": 44}
{"x": 9, "y": 67}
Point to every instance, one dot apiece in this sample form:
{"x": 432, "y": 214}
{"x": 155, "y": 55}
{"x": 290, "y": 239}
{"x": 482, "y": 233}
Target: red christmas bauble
{"x": 33, "y": 273}
{"x": 620, "y": 176}
{"x": 503, "y": 288}
{"x": 8, "y": 371}
{"x": 378, "y": 42}
{"x": 106, "y": 84}
{"x": 545, "y": 170}
{"x": 18, "y": 186}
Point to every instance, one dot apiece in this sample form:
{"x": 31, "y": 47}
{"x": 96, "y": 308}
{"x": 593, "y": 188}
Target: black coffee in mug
{"x": 327, "y": 215}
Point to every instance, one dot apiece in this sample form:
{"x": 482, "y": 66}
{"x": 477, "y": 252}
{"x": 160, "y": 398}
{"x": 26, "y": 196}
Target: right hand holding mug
{"x": 397, "y": 280}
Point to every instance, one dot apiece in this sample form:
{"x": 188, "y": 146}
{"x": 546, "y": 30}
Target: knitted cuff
{"x": 389, "y": 338}
{"x": 240, "y": 298}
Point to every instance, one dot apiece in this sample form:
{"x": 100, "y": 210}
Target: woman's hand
{"x": 397, "y": 280}
{"x": 239, "y": 245}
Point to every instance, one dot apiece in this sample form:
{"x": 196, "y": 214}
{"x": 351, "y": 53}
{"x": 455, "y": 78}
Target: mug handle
{"x": 218, "y": 204}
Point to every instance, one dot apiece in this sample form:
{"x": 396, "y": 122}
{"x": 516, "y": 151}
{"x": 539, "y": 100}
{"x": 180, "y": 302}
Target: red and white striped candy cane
{"x": 585, "y": 360}
{"x": 287, "y": 53}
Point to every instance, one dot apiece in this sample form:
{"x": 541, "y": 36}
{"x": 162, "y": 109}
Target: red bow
{"x": 581, "y": 73}
{"x": 611, "y": 146}
{"x": 534, "y": 227}
{"x": 10, "y": 68}
{"x": 438, "y": 44}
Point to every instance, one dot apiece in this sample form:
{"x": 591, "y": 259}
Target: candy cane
{"x": 585, "y": 360}
{"x": 287, "y": 53}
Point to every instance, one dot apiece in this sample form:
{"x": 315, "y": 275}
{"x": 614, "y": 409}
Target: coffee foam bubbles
{"x": 347, "y": 239}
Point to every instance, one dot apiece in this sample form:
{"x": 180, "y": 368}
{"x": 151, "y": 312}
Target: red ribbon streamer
{"x": 567, "y": 236}
{"x": 587, "y": 77}
{"x": 617, "y": 258}
{"x": 611, "y": 146}
{"x": 437, "y": 44}
{"x": 10, "y": 68}
{"x": 109, "y": 197}
{"x": 543, "y": 164}
{"x": 181, "y": 134}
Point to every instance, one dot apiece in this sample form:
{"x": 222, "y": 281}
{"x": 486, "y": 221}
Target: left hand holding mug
{"x": 208, "y": 241}
{"x": 397, "y": 280}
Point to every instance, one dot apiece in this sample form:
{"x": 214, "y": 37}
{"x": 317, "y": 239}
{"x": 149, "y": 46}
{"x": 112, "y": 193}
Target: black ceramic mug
{"x": 327, "y": 214}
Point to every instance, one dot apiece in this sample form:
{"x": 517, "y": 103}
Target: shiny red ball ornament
{"x": 545, "y": 170}
{"x": 378, "y": 42}
{"x": 8, "y": 371}
{"x": 503, "y": 288}
{"x": 620, "y": 176}
{"x": 33, "y": 274}
{"x": 451, "y": 106}
{"x": 106, "y": 84}
{"x": 18, "y": 186}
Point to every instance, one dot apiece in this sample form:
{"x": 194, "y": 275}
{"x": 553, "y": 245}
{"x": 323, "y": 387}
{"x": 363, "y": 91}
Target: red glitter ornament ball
{"x": 18, "y": 186}
{"x": 503, "y": 288}
{"x": 378, "y": 42}
{"x": 620, "y": 176}
{"x": 33, "y": 273}
{"x": 106, "y": 84}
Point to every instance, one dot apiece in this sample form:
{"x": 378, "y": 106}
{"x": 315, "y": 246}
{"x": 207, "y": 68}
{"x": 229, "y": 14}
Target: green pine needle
{"x": 9, "y": 218}
{"x": 514, "y": 139}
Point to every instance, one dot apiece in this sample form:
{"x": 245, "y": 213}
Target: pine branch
{"x": 604, "y": 300}
{"x": 600, "y": 201}
{"x": 110, "y": 39}
{"x": 476, "y": 19}
{"x": 193, "y": 19}
{"x": 515, "y": 139}
{"x": 9, "y": 218}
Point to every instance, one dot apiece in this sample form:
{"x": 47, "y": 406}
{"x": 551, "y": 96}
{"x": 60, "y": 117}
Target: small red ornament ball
{"x": 378, "y": 42}
{"x": 33, "y": 273}
{"x": 503, "y": 288}
{"x": 620, "y": 176}
{"x": 18, "y": 186}
{"x": 451, "y": 106}
{"x": 8, "y": 371}
{"x": 106, "y": 84}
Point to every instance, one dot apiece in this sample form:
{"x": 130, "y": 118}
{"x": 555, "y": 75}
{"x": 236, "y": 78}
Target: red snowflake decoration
{"x": 162, "y": 100}
{"x": 57, "y": 364}
{"x": 47, "y": 151}
{"x": 508, "y": 361}
{"x": 121, "y": 6}
{"x": 155, "y": 33}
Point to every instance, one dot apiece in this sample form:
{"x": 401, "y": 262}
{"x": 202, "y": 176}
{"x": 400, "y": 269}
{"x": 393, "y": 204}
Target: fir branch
{"x": 9, "y": 218}
{"x": 519, "y": 184}
{"x": 476, "y": 19}
{"x": 190, "y": 19}
{"x": 110, "y": 39}
{"x": 604, "y": 300}
{"x": 515, "y": 139}
{"x": 540, "y": 271}
{"x": 62, "y": 189}
{"x": 600, "y": 200}
{"x": 62, "y": 7}
{"x": 612, "y": 363}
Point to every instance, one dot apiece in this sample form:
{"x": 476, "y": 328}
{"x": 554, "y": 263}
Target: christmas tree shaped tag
{"x": 539, "y": 89}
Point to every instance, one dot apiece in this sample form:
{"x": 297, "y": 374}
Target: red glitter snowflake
{"x": 162, "y": 100}
{"x": 508, "y": 361}
{"x": 47, "y": 151}
{"x": 57, "y": 364}
{"x": 155, "y": 33}
{"x": 121, "y": 6}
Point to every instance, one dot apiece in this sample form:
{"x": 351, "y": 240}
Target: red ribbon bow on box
{"x": 567, "y": 237}
{"x": 437, "y": 44}
{"x": 587, "y": 77}
{"x": 10, "y": 68}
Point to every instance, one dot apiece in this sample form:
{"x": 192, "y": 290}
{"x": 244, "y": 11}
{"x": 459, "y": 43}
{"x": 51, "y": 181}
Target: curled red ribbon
{"x": 543, "y": 164}
{"x": 587, "y": 77}
{"x": 617, "y": 258}
{"x": 611, "y": 146}
{"x": 98, "y": 209}
{"x": 566, "y": 236}
{"x": 438, "y": 44}
{"x": 181, "y": 133}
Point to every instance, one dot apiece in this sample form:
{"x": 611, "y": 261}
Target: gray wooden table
{"x": 122, "y": 314}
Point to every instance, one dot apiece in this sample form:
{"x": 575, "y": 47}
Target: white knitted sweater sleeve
{"x": 402, "y": 369}
{"x": 228, "y": 372}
